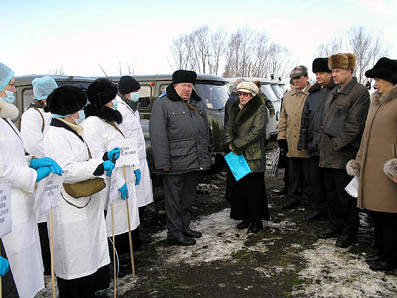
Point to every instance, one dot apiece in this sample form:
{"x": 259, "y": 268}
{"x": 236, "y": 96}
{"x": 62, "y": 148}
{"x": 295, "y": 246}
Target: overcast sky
{"x": 39, "y": 36}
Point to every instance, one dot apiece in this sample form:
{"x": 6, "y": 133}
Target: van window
{"x": 214, "y": 96}
{"x": 27, "y": 98}
{"x": 269, "y": 93}
{"x": 144, "y": 96}
{"x": 278, "y": 91}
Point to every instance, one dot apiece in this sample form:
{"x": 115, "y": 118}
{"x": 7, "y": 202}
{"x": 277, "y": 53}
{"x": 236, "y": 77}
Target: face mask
{"x": 10, "y": 97}
{"x": 134, "y": 96}
{"x": 80, "y": 119}
{"x": 115, "y": 104}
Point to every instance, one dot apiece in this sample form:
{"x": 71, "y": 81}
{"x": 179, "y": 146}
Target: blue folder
{"x": 237, "y": 165}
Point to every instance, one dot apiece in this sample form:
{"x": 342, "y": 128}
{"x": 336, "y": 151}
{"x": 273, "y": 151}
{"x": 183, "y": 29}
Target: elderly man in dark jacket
{"x": 309, "y": 137}
{"x": 345, "y": 112}
{"x": 179, "y": 136}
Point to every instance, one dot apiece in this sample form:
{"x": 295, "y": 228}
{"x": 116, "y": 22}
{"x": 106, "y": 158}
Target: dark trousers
{"x": 299, "y": 176}
{"x": 319, "y": 199}
{"x": 179, "y": 195}
{"x": 45, "y": 247}
{"x": 9, "y": 290}
{"x": 342, "y": 211}
{"x": 286, "y": 175}
{"x": 385, "y": 232}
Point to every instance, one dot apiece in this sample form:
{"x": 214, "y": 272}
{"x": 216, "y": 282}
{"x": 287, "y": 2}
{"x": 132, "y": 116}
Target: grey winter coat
{"x": 179, "y": 134}
{"x": 312, "y": 115}
{"x": 343, "y": 124}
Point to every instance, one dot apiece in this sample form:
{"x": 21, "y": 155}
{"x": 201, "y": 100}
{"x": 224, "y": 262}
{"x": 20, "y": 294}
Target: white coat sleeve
{"x": 32, "y": 136}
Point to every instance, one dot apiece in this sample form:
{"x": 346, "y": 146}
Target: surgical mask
{"x": 134, "y": 96}
{"x": 10, "y": 97}
{"x": 115, "y": 104}
{"x": 80, "y": 119}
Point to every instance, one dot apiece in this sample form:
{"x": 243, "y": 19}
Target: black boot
{"x": 255, "y": 227}
{"x": 243, "y": 225}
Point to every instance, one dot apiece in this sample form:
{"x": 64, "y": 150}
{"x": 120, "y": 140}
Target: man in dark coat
{"x": 312, "y": 115}
{"x": 345, "y": 112}
{"x": 179, "y": 135}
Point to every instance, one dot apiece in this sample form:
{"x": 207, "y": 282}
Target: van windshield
{"x": 278, "y": 91}
{"x": 214, "y": 96}
{"x": 269, "y": 93}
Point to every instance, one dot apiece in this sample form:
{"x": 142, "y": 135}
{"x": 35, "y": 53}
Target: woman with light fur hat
{"x": 376, "y": 164}
{"x": 245, "y": 134}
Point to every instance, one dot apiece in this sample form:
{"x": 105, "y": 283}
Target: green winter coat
{"x": 246, "y": 131}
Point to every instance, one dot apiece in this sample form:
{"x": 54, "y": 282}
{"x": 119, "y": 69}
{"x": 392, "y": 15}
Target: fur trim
{"x": 353, "y": 167}
{"x": 171, "y": 94}
{"x": 8, "y": 110}
{"x": 342, "y": 61}
{"x": 390, "y": 168}
{"x": 106, "y": 113}
{"x": 378, "y": 98}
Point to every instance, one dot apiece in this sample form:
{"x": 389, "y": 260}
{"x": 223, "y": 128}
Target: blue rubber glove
{"x": 114, "y": 154}
{"x": 124, "y": 192}
{"x": 42, "y": 173}
{"x": 108, "y": 166}
{"x": 37, "y": 163}
{"x": 138, "y": 176}
{"x": 4, "y": 266}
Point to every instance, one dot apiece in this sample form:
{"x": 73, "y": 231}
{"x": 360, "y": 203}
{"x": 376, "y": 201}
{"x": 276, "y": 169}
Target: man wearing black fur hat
{"x": 343, "y": 124}
{"x": 309, "y": 137}
{"x": 180, "y": 141}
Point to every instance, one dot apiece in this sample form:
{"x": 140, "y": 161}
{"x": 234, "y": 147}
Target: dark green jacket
{"x": 246, "y": 131}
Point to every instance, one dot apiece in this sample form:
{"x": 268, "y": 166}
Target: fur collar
{"x": 379, "y": 99}
{"x": 107, "y": 114}
{"x": 8, "y": 110}
{"x": 317, "y": 87}
{"x": 237, "y": 116}
{"x": 171, "y": 94}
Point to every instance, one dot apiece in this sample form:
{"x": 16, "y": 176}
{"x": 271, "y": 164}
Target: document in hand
{"x": 237, "y": 165}
{"x": 352, "y": 187}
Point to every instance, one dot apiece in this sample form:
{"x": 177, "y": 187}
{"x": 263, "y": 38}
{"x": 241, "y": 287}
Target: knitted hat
{"x": 101, "y": 91}
{"x": 65, "y": 100}
{"x": 6, "y": 75}
{"x": 248, "y": 87}
{"x": 342, "y": 61}
{"x": 184, "y": 76}
{"x": 42, "y": 87}
{"x": 385, "y": 69}
{"x": 320, "y": 65}
{"x": 128, "y": 84}
{"x": 298, "y": 71}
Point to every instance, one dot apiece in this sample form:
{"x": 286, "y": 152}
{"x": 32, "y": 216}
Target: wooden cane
{"x": 114, "y": 258}
{"x": 52, "y": 256}
{"x": 129, "y": 232}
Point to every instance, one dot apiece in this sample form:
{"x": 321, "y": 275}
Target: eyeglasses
{"x": 245, "y": 94}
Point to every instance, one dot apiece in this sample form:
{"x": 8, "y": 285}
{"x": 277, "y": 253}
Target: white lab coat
{"x": 80, "y": 240}
{"x": 101, "y": 137}
{"x": 22, "y": 245}
{"x": 131, "y": 127}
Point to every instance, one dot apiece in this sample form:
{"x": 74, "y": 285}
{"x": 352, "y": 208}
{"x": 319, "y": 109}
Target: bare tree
{"x": 218, "y": 40}
{"x": 58, "y": 70}
{"x": 179, "y": 52}
{"x": 278, "y": 64}
{"x": 333, "y": 47}
{"x": 126, "y": 67}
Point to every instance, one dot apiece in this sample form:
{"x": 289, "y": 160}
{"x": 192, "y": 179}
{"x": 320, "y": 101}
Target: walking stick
{"x": 52, "y": 255}
{"x": 114, "y": 257}
{"x": 129, "y": 231}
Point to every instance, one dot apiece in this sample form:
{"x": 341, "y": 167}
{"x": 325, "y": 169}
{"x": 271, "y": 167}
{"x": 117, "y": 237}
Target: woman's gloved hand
{"x": 108, "y": 166}
{"x": 114, "y": 154}
{"x": 124, "y": 192}
{"x": 37, "y": 163}
{"x": 4, "y": 266}
{"x": 138, "y": 176}
{"x": 42, "y": 173}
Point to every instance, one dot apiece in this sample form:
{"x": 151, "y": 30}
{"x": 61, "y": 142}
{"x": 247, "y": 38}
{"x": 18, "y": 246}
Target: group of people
{"x": 333, "y": 130}
{"x": 80, "y": 137}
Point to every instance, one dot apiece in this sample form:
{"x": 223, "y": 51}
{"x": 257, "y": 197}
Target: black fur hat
{"x": 128, "y": 84}
{"x": 320, "y": 65}
{"x": 184, "y": 76}
{"x": 385, "y": 69}
{"x": 65, "y": 100}
{"x": 101, "y": 91}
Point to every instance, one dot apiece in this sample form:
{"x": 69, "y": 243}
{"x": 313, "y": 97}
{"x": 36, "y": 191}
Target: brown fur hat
{"x": 342, "y": 61}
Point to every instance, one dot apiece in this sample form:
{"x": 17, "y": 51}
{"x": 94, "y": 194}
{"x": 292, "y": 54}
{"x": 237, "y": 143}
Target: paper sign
{"x": 237, "y": 165}
{"x": 129, "y": 153}
{"x": 5, "y": 208}
{"x": 47, "y": 194}
{"x": 352, "y": 187}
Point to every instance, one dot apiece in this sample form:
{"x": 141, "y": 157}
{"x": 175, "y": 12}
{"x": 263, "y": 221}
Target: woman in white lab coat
{"x": 81, "y": 252}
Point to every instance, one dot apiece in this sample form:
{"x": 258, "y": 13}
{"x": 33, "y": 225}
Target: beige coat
{"x": 290, "y": 120}
{"x": 378, "y": 145}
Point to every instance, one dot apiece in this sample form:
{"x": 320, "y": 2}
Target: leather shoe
{"x": 315, "y": 216}
{"x": 255, "y": 227}
{"x": 373, "y": 258}
{"x": 344, "y": 241}
{"x": 243, "y": 225}
{"x": 291, "y": 204}
{"x": 381, "y": 266}
{"x": 191, "y": 234}
{"x": 184, "y": 241}
{"x": 328, "y": 233}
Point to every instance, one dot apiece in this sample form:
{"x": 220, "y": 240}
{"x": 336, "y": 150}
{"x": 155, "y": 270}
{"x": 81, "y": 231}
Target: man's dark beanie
{"x": 320, "y": 65}
{"x": 128, "y": 84}
{"x": 184, "y": 76}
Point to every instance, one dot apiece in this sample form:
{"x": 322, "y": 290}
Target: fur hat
{"x": 385, "y": 69}
{"x": 101, "y": 91}
{"x": 298, "y": 71}
{"x": 65, "y": 100}
{"x": 320, "y": 65}
{"x": 184, "y": 76}
{"x": 128, "y": 84}
{"x": 248, "y": 87}
{"x": 342, "y": 61}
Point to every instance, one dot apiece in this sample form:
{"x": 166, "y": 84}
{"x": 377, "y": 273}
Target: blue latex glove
{"x": 138, "y": 176}
{"x": 37, "y": 163}
{"x": 4, "y": 266}
{"x": 108, "y": 166}
{"x": 42, "y": 173}
{"x": 124, "y": 192}
{"x": 114, "y": 154}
